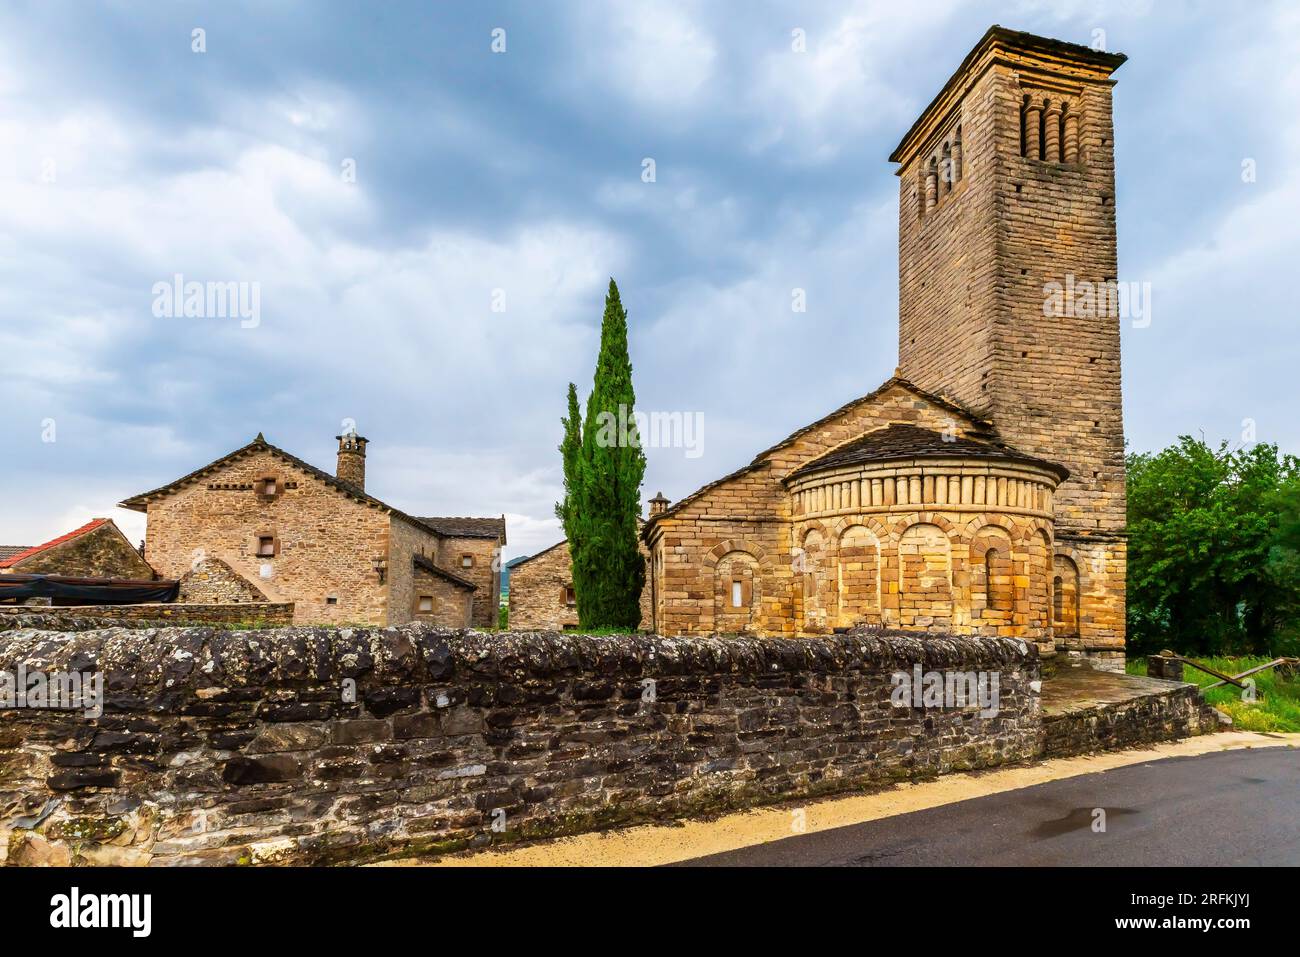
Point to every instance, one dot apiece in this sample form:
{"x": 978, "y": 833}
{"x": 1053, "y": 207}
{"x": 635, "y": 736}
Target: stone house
{"x": 97, "y": 549}
{"x": 981, "y": 489}
{"x": 541, "y": 591}
{"x": 262, "y": 524}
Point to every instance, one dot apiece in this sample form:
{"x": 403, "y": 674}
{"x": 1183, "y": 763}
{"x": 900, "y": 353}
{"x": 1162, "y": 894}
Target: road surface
{"x": 1226, "y": 808}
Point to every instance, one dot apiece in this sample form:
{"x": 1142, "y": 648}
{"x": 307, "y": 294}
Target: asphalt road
{"x": 1226, "y": 808}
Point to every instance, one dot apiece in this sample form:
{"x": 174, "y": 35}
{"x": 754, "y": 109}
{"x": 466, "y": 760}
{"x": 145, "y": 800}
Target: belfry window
{"x": 941, "y": 173}
{"x": 1049, "y": 129}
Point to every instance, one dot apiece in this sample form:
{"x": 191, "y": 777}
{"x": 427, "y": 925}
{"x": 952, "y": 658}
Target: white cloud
{"x": 659, "y": 56}
{"x": 812, "y": 103}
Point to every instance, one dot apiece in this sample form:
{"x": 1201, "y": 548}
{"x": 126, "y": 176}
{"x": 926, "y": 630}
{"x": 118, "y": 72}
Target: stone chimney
{"x": 658, "y": 504}
{"x": 352, "y": 459}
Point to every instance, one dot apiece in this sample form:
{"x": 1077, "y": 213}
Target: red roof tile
{"x": 90, "y": 526}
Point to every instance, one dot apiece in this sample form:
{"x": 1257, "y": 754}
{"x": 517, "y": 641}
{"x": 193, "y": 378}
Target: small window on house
{"x": 467, "y": 561}
{"x": 267, "y": 488}
{"x": 425, "y": 604}
{"x": 266, "y": 546}
{"x": 331, "y": 599}
{"x": 570, "y": 596}
{"x": 737, "y": 592}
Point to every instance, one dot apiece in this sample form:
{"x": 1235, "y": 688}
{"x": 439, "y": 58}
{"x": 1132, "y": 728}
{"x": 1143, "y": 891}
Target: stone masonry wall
{"x": 308, "y": 745}
{"x": 405, "y": 541}
{"x": 212, "y": 581}
{"x": 974, "y": 275}
{"x": 325, "y": 541}
{"x": 750, "y": 515}
{"x": 485, "y": 572}
{"x": 453, "y": 605}
{"x": 1178, "y": 713}
{"x": 538, "y": 587}
{"x": 151, "y": 615}
{"x": 956, "y": 546}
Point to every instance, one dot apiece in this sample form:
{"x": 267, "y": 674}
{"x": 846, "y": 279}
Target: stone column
{"x": 956, "y": 161}
{"x": 931, "y": 188}
{"x": 1052, "y": 132}
{"x": 1033, "y": 122}
{"x": 1072, "y": 136}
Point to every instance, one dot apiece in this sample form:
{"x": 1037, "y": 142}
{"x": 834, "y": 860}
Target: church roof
{"x": 942, "y": 402}
{"x": 911, "y": 441}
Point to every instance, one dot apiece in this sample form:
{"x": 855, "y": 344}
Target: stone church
{"x": 260, "y": 524}
{"x": 981, "y": 489}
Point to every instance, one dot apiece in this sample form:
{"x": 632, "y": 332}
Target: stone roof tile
{"x": 911, "y": 441}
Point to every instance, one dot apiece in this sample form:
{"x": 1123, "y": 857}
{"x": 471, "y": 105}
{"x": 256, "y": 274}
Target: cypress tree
{"x": 608, "y": 570}
{"x": 571, "y": 455}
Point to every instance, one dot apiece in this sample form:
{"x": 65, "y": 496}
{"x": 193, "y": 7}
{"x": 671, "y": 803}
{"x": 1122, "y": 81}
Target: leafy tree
{"x": 603, "y": 469}
{"x": 1214, "y": 537}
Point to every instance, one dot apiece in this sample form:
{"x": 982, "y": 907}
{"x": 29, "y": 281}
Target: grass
{"x": 1277, "y": 703}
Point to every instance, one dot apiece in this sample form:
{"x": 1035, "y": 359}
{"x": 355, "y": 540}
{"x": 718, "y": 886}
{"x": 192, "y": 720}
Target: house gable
{"x": 97, "y": 549}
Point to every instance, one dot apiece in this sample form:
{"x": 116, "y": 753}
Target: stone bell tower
{"x": 1007, "y": 197}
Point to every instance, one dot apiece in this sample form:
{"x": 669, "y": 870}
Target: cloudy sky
{"x": 430, "y": 226}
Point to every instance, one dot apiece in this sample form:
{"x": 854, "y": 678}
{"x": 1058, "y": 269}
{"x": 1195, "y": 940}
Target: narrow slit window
{"x": 570, "y": 596}
{"x": 736, "y": 594}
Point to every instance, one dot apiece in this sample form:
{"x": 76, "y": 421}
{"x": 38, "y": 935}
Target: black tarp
{"x": 86, "y": 591}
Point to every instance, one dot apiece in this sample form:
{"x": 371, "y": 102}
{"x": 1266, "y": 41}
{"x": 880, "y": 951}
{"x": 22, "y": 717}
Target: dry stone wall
{"x": 210, "y": 581}
{"x": 305, "y": 745}
{"x": 170, "y": 615}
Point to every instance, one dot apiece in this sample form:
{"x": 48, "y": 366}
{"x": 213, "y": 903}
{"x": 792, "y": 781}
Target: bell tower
{"x": 1007, "y": 198}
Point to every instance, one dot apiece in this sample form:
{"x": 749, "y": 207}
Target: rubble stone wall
{"x": 315, "y": 745}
